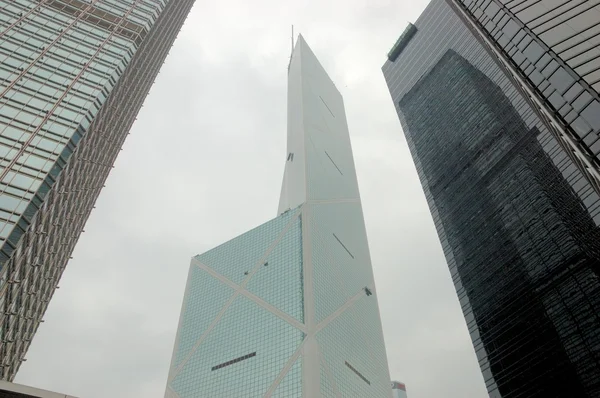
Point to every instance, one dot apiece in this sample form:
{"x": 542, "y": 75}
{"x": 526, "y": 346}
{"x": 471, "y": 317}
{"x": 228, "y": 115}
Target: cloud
{"x": 204, "y": 163}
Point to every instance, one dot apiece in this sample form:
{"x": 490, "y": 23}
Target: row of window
{"x": 43, "y": 24}
{"x": 569, "y": 27}
{"x": 18, "y": 101}
{"x": 46, "y": 90}
{"x": 70, "y": 116}
{"x": 554, "y": 82}
{"x": 138, "y": 15}
{"x": 61, "y": 58}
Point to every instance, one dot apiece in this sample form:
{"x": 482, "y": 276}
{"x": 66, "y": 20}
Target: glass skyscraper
{"x": 289, "y": 309}
{"x": 73, "y": 76}
{"x": 516, "y": 215}
{"x": 551, "y": 50}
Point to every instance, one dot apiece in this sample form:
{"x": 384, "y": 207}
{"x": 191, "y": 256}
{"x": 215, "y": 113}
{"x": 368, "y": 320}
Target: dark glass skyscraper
{"x": 73, "y": 76}
{"x": 551, "y": 49}
{"x": 517, "y": 218}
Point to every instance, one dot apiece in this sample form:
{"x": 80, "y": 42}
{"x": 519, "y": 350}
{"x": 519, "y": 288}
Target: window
{"x": 357, "y": 373}
{"x": 236, "y": 360}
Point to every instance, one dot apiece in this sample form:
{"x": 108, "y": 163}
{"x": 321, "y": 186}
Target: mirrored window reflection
{"x": 569, "y": 28}
{"x": 545, "y": 206}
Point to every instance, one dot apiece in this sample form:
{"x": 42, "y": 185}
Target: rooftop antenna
{"x": 292, "y": 52}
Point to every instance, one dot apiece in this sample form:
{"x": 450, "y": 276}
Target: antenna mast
{"x": 292, "y": 52}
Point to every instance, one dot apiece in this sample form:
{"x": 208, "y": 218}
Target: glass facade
{"x": 228, "y": 343}
{"x": 553, "y": 49}
{"x": 289, "y": 309}
{"x": 73, "y": 75}
{"x": 517, "y": 219}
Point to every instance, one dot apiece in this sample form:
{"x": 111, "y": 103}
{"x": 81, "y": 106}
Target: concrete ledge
{"x": 12, "y": 390}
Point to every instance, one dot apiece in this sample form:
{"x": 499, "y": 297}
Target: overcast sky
{"x": 204, "y": 163}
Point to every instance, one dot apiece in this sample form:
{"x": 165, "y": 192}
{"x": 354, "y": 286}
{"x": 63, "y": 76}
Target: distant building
{"x": 398, "y": 390}
{"x": 12, "y": 390}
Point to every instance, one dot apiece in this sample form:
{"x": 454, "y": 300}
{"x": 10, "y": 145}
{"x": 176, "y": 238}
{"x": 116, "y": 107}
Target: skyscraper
{"x": 517, "y": 218}
{"x": 551, "y": 49}
{"x": 73, "y": 76}
{"x": 398, "y": 390}
{"x": 289, "y": 309}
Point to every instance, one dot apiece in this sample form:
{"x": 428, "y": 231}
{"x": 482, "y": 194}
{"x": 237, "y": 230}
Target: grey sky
{"x": 204, "y": 163}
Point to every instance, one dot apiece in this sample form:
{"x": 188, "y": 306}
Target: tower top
{"x": 319, "y": 164}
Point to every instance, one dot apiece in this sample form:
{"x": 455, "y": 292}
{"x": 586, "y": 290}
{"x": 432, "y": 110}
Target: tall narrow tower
{"x": 289, "y": 309}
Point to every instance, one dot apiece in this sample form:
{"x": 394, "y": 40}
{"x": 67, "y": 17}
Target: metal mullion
{"x": 56, "y": 40}
{"x": 3, "y": 174}
{"x": 587, "y": 164}
{"x": 562, "y": 21}
{"x": 575, "y": 35}
{"x": 518, "y": 2}
{"x": 585, "y": 62}
{"x": 568, "y": 3}
{"x": 76, "y": 200}
{"x": 524, "y": 8}
{"x": 23, "y": 17}
{"x": 567, "y": 59}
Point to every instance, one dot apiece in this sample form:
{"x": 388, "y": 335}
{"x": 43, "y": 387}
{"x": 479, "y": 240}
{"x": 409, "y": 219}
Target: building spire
{"x": 319, "y": 163}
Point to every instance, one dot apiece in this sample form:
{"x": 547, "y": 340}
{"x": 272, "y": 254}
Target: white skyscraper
{"x": 289, "y": 309}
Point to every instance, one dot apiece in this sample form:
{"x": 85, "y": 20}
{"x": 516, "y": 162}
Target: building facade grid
{"x": 73, "y": 76}
{"x": 495, "y": 177}
{"x": 552, "y": 50}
